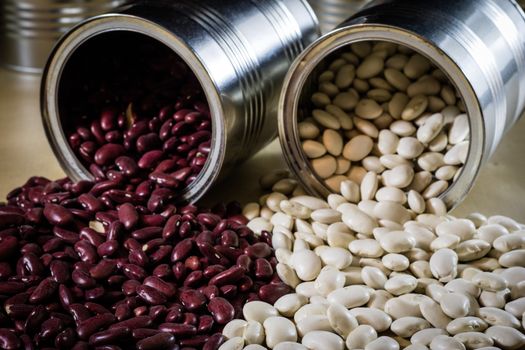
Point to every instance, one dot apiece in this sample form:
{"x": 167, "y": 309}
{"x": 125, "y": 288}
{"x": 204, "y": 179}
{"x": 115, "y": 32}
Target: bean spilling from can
{"x": 383, "y": 114}
{"x": 160, "y": 119}
{"x": 380, "y": 276}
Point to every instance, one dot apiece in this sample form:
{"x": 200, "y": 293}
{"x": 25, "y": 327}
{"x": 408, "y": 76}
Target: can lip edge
{"x": 112, "y": 22}
{"x": 340, "y": 37}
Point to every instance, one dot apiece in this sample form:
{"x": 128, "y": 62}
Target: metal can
{"x": 478, "y": 44}
{"x": 30, "y": 28}
{"x": 239, "y": 51}
{"x": 333, "y": 12}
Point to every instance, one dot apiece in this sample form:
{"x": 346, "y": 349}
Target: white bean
{"x": 279, "y": 329}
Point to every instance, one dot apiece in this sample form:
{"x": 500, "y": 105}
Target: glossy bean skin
{"x": 111, "y": 263}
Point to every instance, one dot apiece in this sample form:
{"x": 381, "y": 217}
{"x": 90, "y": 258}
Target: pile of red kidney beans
{"x": 116, "y": 263}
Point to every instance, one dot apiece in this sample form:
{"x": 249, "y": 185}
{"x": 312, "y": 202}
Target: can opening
{"x": 123, "y": 93}
{"x": 378, "y": 106}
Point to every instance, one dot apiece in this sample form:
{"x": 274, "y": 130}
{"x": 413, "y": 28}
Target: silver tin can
{"x": 478, "y": 44}
{"x": 332, "y": 12}
{"x": 30, "y": 28}
{"x": 240, "y": 52}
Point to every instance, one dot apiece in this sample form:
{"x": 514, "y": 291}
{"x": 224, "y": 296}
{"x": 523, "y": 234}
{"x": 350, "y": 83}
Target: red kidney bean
{"x": 157, "y": 342}
{"x": 128, "y": 215}
{"x": 271, "y": 292}
{"x": 210, "y": 291}
{"x": 171, "y": 227}
{"x": 8, "y": 339}
{"x": 147, "y": 233}
{"x": 92, "y": 236}
{"x": 50, "y": 329}
{"x": 32, "y": 264}
{"x": 90, "y": 202}
{"x": 97, "y": 131}
{"x": 205, "y": 324}
{"x": 109, "y": 336}
{"x": 66, "y": 339}
{"x": 190, "y": 318}
{"x": 66, "y": 235}
{"x": 221, "y": 310}
{"x": 127, "y": 165}
{"x": 107, "y": 248}
{"x": 148, "y": 142}
{"x": 174, "y": 313}
{"x": 151, "y": 295}
{"x": 19, "y": 311}
{"x": 122, "y": 312}
{"x": 134, "y": 271}
{"x": 229, "y": 291}
{"x": 108, "y": 153}
{"x": 182, "y": 250}
{"x": 83, "y": 279}
{"x": 153, "y": 220}
{"x": 79, "y": 312}
{"x": 142, "y": 333}
{"x": 193, "y": 263}
{"x": 213, "y": 270}
{"x": 157, "y": 312}
{"x": 192, "y": 299}
{"x": 229, "y": 238}
{"x": 96, "y": 308}
{"x": 103, "y": 269}
{"x": 130, "y": 286}
{"x": 229, "y": 276}
{"x": 135, "y": 322}
{"x": 150, "y": 245}
{"x": 263, "y": 269}
{"x": 193, "y": 279}
{"x": 138, "y": 257}
{"x": 65, "y": 295}
{"x": 162, "y": 271}
{"x": 86, "y": 252}
{"x": 214, "y": 342}
{"x": 57, "y": 215}
{"x": 94, "y": 293}
{"x": 115, "y": 231}
{"x": 44, "y": 291}
{"x": 150, "y": 159}
{"x": 166, "y": 288}
{"x": 178, "y": 329}
{"x": 93, "y": 324}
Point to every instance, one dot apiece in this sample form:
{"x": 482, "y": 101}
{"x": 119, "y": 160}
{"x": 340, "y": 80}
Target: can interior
{"x": 305, "y": 106}
{"x": 117, "y": 68}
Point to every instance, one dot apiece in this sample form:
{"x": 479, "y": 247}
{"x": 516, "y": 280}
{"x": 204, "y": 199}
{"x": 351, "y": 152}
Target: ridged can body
{"x": 478, "y": 44}
{"x": 332, "y": 12}
{"x": 30, "y": 28}
{"x": 240, "y": 52}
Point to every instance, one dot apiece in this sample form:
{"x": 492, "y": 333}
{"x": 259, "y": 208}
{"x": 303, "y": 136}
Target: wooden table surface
{"x": 24, "y": 152}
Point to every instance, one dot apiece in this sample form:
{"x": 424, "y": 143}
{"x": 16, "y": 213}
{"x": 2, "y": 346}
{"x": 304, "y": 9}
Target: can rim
{"x": 114, "y": 22}
{"x": 306, "y": 63}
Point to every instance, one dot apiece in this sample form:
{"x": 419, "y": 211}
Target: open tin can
{"x": 239, "y": 51}
{"x": 478, "y": 45}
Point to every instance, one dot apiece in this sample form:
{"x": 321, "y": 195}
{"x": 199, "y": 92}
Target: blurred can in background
{"x": 30, "y": 28}
{"x": 332, "y": 12}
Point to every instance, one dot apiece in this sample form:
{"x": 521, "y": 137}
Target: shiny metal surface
{"x": 239, "y": 50}
{"x": 332, "y": 12}
{"x": 30, "y": 28}
{"x": 464, "y": 39}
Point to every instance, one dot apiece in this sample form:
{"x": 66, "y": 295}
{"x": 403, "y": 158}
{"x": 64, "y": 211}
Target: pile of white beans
{"x": 380, "y": 276}
{"x": 385, "y": 111}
